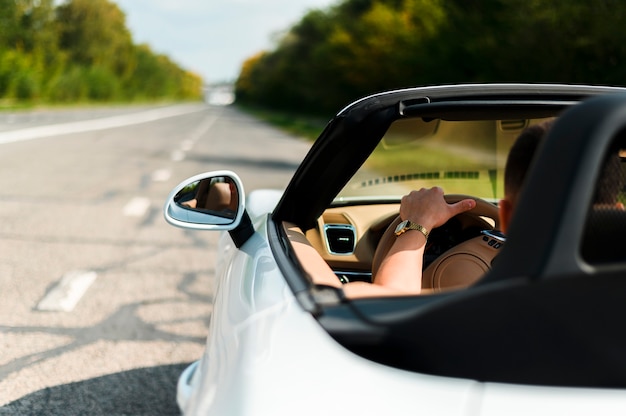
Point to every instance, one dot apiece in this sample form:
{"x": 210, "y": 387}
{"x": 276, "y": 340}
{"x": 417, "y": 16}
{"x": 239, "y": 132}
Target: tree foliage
{"x": 94, "y": 34}
{"x": 358, "y": 47}
{"x": 81, "y": 50}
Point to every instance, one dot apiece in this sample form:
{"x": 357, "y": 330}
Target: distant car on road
{"x": 530, "y": 323}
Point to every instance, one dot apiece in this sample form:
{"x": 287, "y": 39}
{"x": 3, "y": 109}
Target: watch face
{"x": 401, "y": 226}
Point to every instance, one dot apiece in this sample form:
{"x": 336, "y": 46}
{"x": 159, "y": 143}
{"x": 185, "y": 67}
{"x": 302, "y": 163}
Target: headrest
{"x": 604, "y": 239}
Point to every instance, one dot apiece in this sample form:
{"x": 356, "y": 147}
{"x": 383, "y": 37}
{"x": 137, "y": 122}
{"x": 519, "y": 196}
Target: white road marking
{"x": 136, "y": 207}
{"x": 67, "y": 292}
{"x": 178, "y": 156}
{"x": 96, "y": 124}
{"x": 201, "y": 129}
{"x": 186, "y": 145}
{"x": 161, "y": 175}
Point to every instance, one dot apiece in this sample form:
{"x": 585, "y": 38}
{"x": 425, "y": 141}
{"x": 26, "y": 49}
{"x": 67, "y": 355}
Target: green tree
{"x": 353, "y": 49}
{"x": 157, "y": 76}
{"x": 359, "y": 47}
{"x": 28, "y": 51}
{"x": 81, "y": 50}
{"x": 94, "y": 33}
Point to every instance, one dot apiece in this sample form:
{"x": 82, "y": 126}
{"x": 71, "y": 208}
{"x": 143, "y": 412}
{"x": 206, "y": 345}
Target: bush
{"x": 102, "y": 84}
{"x": 69, "y": 86}
{"x": 25, "y": 86}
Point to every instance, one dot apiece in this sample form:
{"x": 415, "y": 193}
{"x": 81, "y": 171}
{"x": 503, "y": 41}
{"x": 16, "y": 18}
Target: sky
{"x": 213, "y": 37}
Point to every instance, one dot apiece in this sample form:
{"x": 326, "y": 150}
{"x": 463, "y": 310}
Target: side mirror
{"x": 209, "y": 201}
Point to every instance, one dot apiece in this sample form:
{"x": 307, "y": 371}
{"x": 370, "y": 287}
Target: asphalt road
{"x": 103, "y": 304}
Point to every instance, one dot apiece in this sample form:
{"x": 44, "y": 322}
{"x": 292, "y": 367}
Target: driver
{"x": 400, "y": 271}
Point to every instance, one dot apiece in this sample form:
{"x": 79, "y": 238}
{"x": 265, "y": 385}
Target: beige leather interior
{"x": 369, "y": 221}
{"x": 313, "y": 264}
{"x": 459, "y": 267}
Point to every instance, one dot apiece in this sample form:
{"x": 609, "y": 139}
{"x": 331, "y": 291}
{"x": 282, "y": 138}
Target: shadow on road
{"x": 141, "y": 392}
{"x": 124, "y": 324}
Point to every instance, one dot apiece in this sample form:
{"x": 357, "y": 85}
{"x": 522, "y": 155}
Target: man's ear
{"x": 505, "y": 212}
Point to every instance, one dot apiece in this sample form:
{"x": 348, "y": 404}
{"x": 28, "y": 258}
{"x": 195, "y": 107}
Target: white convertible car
{"x": 530, "y": 324}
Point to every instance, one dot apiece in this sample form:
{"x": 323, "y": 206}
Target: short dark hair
{"x": 610, "y": 182}
{"x": 521, "y": 155}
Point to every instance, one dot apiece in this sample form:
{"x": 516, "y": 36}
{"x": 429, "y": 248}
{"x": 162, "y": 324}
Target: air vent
{"x": 340, "y": 238}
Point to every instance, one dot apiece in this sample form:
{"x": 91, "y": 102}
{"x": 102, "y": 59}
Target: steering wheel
{"x": 461, "y": 265}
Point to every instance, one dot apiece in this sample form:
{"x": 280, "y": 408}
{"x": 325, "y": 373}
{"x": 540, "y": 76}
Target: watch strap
{"x": 413, "y": 226}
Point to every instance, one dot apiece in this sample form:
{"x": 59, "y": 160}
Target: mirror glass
{"x": 212, "y": 200}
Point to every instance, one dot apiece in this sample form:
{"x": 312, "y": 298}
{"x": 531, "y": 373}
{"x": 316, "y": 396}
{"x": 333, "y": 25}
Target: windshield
{"x": 462, "y": 157}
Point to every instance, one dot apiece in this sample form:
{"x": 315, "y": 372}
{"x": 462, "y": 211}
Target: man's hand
{"x": 428, "y": 207}
{"x": 401, "y": 269}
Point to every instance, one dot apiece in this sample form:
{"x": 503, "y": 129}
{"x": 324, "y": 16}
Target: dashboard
{"x": 348, "y": 237}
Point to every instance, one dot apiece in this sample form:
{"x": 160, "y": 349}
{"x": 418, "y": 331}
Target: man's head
{"x": 517, "y": 164}
{"x": 609, "y": 184}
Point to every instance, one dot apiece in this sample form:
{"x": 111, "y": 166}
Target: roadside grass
{"x": 307, "y": 127}
{"x": 10, "y": 105}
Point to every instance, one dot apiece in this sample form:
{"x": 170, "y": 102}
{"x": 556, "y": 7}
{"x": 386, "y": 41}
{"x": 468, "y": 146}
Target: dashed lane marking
{"x": 161, "y": 175}
{"x": 186, "y": 145}
{"x": 178, "y": 156}
{"x": 202, "y": 129}
{"x": 136, "y": 207}
{"x": 67, "y": 292}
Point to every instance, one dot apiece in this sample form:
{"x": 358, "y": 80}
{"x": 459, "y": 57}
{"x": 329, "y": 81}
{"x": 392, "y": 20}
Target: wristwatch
{"x": 407, "y": 225}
